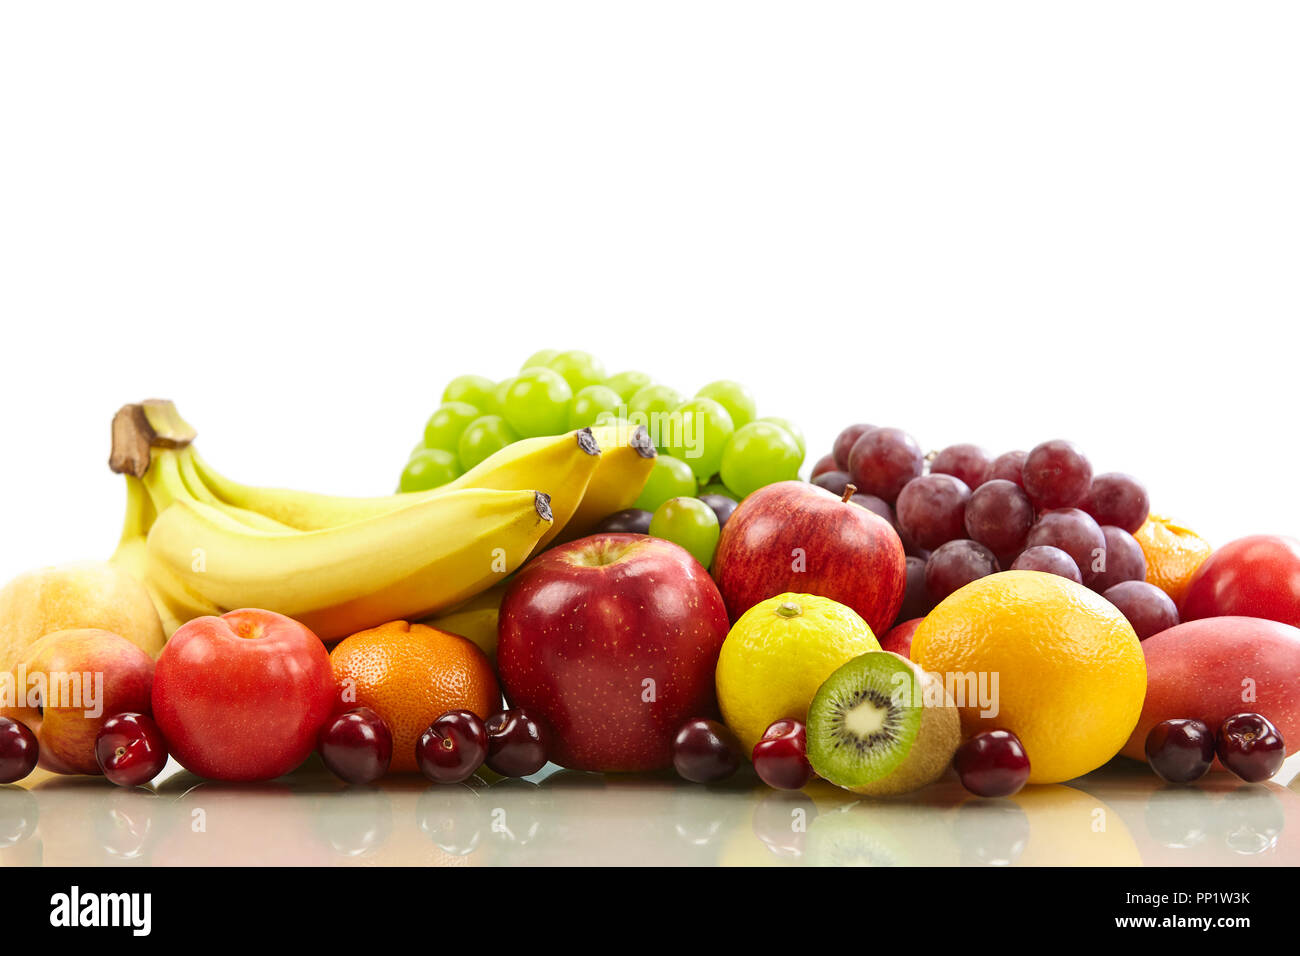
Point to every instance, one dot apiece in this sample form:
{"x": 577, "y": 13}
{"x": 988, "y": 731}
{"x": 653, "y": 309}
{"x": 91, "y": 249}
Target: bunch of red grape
{"x": 972, "y": 515}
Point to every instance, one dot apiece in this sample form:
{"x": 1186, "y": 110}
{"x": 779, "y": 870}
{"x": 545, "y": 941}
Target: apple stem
{"x": 849, "y": 491}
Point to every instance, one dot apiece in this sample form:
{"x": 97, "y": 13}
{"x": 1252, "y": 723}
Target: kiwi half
{"x": 881, "y": 725}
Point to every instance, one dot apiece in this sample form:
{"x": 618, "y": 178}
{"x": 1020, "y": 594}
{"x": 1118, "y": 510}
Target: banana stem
{"x": 139, "y": 428}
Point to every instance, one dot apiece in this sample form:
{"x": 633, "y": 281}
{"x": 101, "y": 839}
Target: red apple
{"x": 793, "y": 536}
{"x": 243, "y": 696}
{"x": 73, "y": 682}
{"x": 1217, "y": 667}
{"x": 899, "y": 638}
{"x": 1256, "y": 576}
{"x": 612, "y": 640}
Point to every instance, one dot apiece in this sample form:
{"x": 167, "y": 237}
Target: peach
{"x": 1220, "y": 666}
{"x": 79, "y": 679}
{"x": 92, "y": 594}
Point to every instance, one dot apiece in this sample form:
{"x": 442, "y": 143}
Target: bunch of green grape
{"x": 710, "y": 444}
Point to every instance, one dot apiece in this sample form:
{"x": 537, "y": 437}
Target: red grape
{"x": 1149, "y": 609}
{"x": 932, "y": 510}
{"x": 1075, "y": 533}
{"x": 879, "y": 505}
{"x": 1009, "y": 466}
{"x": 955, "y": 565}
{"x": 19, "y": 750}
{"x": 1057, "y": 475}
{"x": 1124, "y": 560}
{"x": 916, "y": 599}
{"x": 844, "y": 444}
{"x": 999, "y": 516}
{"x": 1049, "y": 560}
{"x": 883, "y": 460}
{"x": 1118, "y": 499}
{"x": 968, "y": 462}
{"x": 824, "y": 464}
{"x": 833, "y": 481}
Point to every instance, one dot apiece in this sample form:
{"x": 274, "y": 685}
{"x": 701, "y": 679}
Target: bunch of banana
{"x": 203, "y": 544}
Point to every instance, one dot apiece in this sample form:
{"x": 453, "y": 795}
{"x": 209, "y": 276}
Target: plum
{"x": 1216, "y": 667}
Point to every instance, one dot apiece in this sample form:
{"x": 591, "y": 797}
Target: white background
{"x": 1000, "y": 222}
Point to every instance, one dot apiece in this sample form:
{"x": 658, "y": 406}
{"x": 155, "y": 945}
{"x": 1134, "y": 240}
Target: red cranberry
{"x": 357, "y": 746}
{"x": 705, "y": 751}
{"x": 1251, "y": 747}
{"x": 19, "y": 751}
{"x": 453, "y": 748}
{"x": 130, "y": 749}
{"x": 1180, "y": 750}
{"x": 517, "y": 744}
{"x": 992, "y": 763}
{"x": 781, "y": 756}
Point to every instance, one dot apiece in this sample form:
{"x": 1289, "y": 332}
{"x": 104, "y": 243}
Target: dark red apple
{"x": 793, "y": 536}
{"x": 612, "y": 640}
{"x": 899, "y": 638}
{"x": 1256, "y": 576}
{"x": 243, "y": 696}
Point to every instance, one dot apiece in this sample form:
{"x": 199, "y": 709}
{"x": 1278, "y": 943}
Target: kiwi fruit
{"x": 881, "y": 725}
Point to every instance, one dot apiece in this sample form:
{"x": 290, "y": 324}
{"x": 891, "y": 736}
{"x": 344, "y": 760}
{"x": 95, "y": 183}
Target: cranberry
{"x": 1180, "y": 750}
{"x": 357, "y": 746}
{"x": 130, "y": 749}
{"x": 1251, "y": 747}
{"x": 781, "y": 756}
{"x": 18, "y": 751}
{"x": 453, "y": 748}
{"x": 705, "y": 751}
{"x": 992, "y": 763}
{"x": 517, "y": 744}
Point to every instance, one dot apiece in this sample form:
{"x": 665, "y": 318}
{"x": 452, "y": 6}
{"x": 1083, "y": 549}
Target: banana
{"x": 560, "y": 465}
{"x": 406, "y": 563}
{"x": 475, "y": 620}
{"x": 626, "y": 460}
{"x": 174, "y": 604}
{"x": 173, "y": 477}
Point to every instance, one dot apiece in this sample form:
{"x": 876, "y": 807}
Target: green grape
{"x": 628, "y": 384}
{"x": 734, "y": 397}
{"x": 698, "y": 433}
{"x": 759, "y": 454}
{"x": 688, "y": 522}
{"x": 669, "y": 478}
{"x": 591, "y": 403}
{"x": 482, "y": 438}
{"x": 446, "y": 424}
{"x": 578, "y": 368}
{"x": 540, "y": 359}
{"x": 651, "y": 406}
{"x": 476, "y": 390}
{"x": 537, "y": 403}
{"x": 499, "y": 396}
{"x": 795, "y": 431}
{"x": 429, "y": 469}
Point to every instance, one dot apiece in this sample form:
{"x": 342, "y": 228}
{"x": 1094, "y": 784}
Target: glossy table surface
{"x": 1120, "y": 815}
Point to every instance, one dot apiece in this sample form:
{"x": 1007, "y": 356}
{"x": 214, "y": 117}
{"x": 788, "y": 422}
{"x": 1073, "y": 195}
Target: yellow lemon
{"x": 778, "y": 654}
{"x": 1058, "y": 663}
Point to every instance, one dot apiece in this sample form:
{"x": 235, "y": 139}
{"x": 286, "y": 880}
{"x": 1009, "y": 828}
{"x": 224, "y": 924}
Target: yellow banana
{"x": 172, "y": 476}
{"x": 475, "y": 620}
{"x": 406, "y": 563}
{"x": 560, "y": 465}
{"x": 174, "y": 604}
{"x": 626, "y": 460}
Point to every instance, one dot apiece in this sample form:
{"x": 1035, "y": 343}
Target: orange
{"x": 1050, "y": 660}
{"x": 411, "y": 674}
{"x": 1173, "y": 555}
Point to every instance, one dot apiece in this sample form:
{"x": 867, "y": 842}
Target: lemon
{"x": 1043, "y": 657}
{"x": 778, "y": 654}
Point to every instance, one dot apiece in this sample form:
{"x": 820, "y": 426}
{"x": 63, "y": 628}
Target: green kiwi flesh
{"x": 881, "y": 725}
